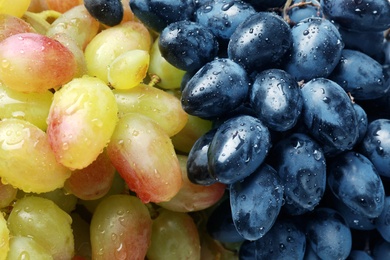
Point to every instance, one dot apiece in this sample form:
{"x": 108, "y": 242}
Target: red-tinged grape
{"x": 164, "y": 108}
{"x": 60, "y": 5}
{"x": 94, "y": 181}
{"x": 10, "y": 7}
{"x": 25, "y": 149}
{"x": 193, "y": 197}
{"x": 107, "y": 45}
{"x": 170, "y": 76}
{"x": 213, "y": 249}
{"x": 81, "y": 121}
{"x": 4, "y": 237}
{"x": 42, "y": 220}
{"x": 144, "y": 156}
{"x": 82, "y": 243}
{"x": 31, "y": 62}
{"x": 7, "y": 194}
{"x": 23, "y": 247}
{"x": 174, "y": 236}
{"x": 10, "y": 25}
{"x": 76, "y": 23}
{"x": 32, "y": 107}
{"x": 121, "y": 228}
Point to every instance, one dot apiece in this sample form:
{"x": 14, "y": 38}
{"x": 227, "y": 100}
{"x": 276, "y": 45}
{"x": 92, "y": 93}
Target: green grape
{"x": 174, "y": 236}
{"x": 42, "y": 220}
{"x": 76, "y": 23}
{"x": 10, "y": 7}
{"x": 107, "y": 45}
{"x": 144, "y": 156}
{"x": 26, "y": 159}
{"x": 21, "y": 247}
{"x": 82, "y": 243}
{"x": 193, "y": 197}
{"x": 121, "y": 228}
{"x": 128, "y": 69}
{"x": 163, "y": 108}
{"x": 4, "y": 238}
{"x": 7, "y": 194}
{"x": 170, "y": 76}
{"x": 32, "y": 107}
{"x": 81, "y": 120}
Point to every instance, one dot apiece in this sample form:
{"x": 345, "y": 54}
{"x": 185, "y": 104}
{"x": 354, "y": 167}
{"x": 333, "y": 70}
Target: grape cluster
{"x": 194, "y": 129}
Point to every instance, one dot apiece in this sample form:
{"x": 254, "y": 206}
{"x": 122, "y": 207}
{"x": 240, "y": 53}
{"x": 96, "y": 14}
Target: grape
{"x": 39, "y": 172}
{"x": 59, "y": 5}
{"x": 32, "y": 107}
{"x": 162, "y": 107}
{"x": 109, "y": 12}
{"x": 362, "y": 15}
{"x": 329, "y": 115}
{"x": 260, "y": 41}
{"x": 7, "y": 194}
{"x": 128, "y": 69}
{"x": 24, "y": 247}
{"x": 300, "y": 10}
{"x": 187, "y": 45}
{"x": 382, "y": 223}
{"x": 217, "y": 88}
{"x": 381, "y": 249}
{"x": 256, "y": 202}
{"x": 4, "y": 237}
{"x": 362, "y": 118}
{"x": 193, "y": 197}
{"x": 328, "y": 234}
{"x": 30, "y": 55}
{"x": 9, "y": 7}
{"x": 108, "y": 44}
{"x": 121, "y": 228}
{"x": 157, "y": 14}
{"x": 75, "y": 117}
{"x": 46, "y": 223}
{"x": 264, "y": 5}
{"x": 144, "y": 156}
{"x": 276, "y": 99}
{"x": 10, "y": 25}
{"x": 316, "y": 49}
{"x": 359, "y": 255}
{"x": 300, "y": 164}
{"x": 174, "y": 235}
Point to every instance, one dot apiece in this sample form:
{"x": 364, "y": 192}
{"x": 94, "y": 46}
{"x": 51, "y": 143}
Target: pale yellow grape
{"x": 170, "y": 76}
{"x": 46, "y": 223}
{"x": 26, "y": 159}
{"x": 107, "y": 45}
{"x": 26, "y": 248}
{"x": 4, "y": 238}
{"x": 129, "y": 69}
{"x": 12, "y": 8}
{"x": 81, "y": 121}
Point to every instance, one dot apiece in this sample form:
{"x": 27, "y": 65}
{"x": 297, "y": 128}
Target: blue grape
{"x": 256, "y": 202}
{"x": 362, "y": 122}
{"x": 360, "y": 75}
{"x": 238, "y": 148}
{"x": 223, "y": 16}
{"x": 354, "y": 180}
{"x": 381, "y": 250}
{"x": 283, "y": 241}
{"x": 359, "y": 15}
{"x": 310, "y": 254}
{"x": 264, "y": 5}
{"x": 299, "y": 10}
{"x": 382, "y": 223}
{"x": 300, "y": 164}
{"x": 376, "y": 145}
{"x": 158, "y": 14}
{"x": 247, "y": 250}
{"x": 276, "y": 99}
{"x": 316, "y": 49}
{"x": 328, "y": 234}
{"x": 220, "y": 224}
{"x": 187, "y": 45}
{"x": 216, "y": 89}
{"x": 108, "y": 12}
{"x": 197, "y": 162}
{"x": 359, "y": 255}
{"x": 260, "y": 41}
{"x": 329, "y": 115}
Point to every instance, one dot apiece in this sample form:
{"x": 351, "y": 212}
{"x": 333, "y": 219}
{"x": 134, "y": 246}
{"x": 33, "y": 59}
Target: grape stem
{"x": 288, "y": 6}
{"x": 154, "y": 79}
{"x": 41, "y": 21}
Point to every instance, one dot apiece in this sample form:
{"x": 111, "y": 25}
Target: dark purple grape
{"x": 362, "y": 122}
{"x": 108, "y": 12}
{"x": 256, "y": 202}
{"x": 359, "y": 255}
{"x": 316, "y": 49}
{"x": 260, "y": 41}
{"x": 187, "y": 45}
{"x": 238, "y": 148}
{"x": 264, "y": 5}
{"x": 354, "y": 180}
{"x": 381, "y": 250}
{"x": 216, "y": 89}
{"x": 276, "y": 99}
{"x": 359, "y": 15}
{"x": 382, "y": 223}
{"x": 247, "y": 250}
